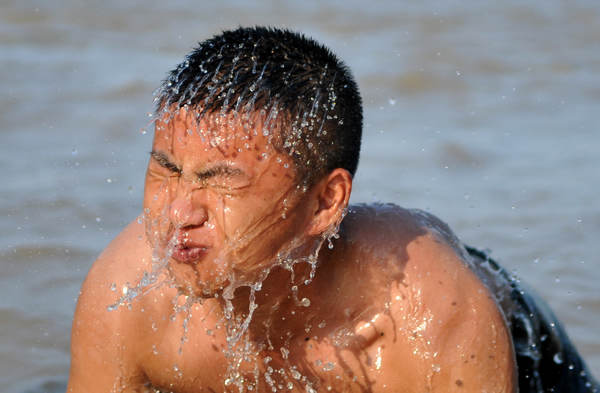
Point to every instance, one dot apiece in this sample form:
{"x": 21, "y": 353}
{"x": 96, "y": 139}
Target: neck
{"x": 287, "y": 302}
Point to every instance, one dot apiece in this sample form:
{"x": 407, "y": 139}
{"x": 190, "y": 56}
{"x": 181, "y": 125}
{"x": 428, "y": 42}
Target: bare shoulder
{"x": 122, "y": 263}
{"x": 132, "y": 346}
{"x": 443, "y": 321}
{"x": 471, "y": 347}
{"x": 99, "y": 355}
{"x": 380, "y": 222}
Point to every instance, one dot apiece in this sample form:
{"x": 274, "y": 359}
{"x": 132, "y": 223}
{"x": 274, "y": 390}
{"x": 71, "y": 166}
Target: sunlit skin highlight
{"x": 385, "y": 310}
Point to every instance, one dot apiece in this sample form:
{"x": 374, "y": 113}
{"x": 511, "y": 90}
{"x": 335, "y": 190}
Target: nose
{"x": 184, "y": 213}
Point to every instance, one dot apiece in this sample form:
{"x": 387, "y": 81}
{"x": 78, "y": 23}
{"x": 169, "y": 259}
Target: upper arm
{"x": 101, "y": 354}
{"x": 95, "y": 343}
{"x": 454, "y": 333}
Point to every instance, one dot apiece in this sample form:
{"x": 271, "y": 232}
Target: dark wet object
{"x": 547, "y": 361}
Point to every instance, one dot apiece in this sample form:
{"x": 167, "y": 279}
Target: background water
{"x": 484, "y": 113}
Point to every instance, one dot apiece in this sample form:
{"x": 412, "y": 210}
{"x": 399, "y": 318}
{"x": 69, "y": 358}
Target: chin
{"x": 194, "y": 280}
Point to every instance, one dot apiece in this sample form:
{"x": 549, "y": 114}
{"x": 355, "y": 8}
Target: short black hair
{"x": 288, "y": 78}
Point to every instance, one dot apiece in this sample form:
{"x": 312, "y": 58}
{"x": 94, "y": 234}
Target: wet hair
{"x": 297, "y": 85}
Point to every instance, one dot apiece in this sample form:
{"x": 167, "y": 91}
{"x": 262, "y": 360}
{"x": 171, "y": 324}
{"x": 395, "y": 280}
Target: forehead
{"x": 215, "y": 136}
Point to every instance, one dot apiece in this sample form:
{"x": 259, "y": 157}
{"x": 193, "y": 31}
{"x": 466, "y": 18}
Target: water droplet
{"x": 557, "y": 358}
{"x": 305, "y": 302}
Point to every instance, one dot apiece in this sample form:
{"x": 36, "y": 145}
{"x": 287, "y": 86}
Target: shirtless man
{"x": 247, "y": 270}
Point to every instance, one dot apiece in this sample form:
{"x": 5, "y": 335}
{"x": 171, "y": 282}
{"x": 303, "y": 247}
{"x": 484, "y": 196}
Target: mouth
{"x": 190, "y": 254}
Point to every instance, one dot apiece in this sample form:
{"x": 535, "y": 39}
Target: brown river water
{"x": 479, "y": 112}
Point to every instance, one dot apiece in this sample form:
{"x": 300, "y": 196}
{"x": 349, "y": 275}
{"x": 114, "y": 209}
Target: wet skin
{"x": 218, "y": 193}
{"x": 393, "y": 306}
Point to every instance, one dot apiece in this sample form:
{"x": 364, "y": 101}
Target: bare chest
{"x": 181, "y": 349}
{"x": 193, "y": 355}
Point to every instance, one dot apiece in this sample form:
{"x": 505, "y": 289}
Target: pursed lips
{"x": 186, "y": 251}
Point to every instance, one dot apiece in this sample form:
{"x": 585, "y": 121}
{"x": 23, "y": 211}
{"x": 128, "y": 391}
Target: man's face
{"x": 219, "y": 200}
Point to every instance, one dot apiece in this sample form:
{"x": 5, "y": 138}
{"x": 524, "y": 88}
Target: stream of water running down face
{"x": 241, "y": 351}
{"x": 165, "y": 234}
{"x": 227, "y": 106}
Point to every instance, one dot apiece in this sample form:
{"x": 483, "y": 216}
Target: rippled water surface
{"x": 483, "y": 113}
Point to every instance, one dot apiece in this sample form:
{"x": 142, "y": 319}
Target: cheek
{"x": 253, "y": 219}
{"x": 237, "y": 216}
{"x": 156, "y": 191}
{"x": 151, "y": 189}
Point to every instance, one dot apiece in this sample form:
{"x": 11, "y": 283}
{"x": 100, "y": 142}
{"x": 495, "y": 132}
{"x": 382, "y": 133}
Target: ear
{"x": 332, "y": 194}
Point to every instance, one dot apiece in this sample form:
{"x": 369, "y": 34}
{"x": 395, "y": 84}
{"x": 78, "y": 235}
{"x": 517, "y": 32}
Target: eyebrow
{"x": 164, "y": 161}
{"x": 220, "y": 169}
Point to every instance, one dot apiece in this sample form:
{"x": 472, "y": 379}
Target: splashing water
{"x": 220, "y": 107}
{"x": 155, "y": 279}
{"x": 241, "y": 351}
